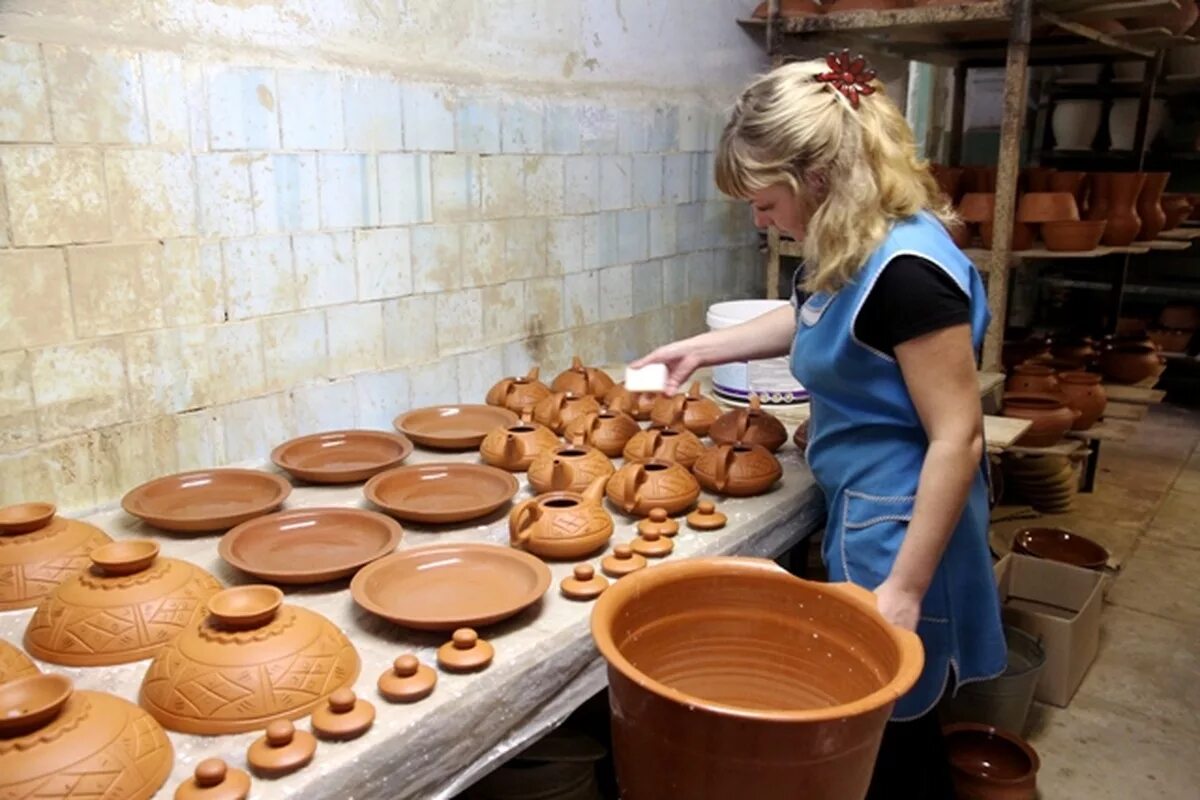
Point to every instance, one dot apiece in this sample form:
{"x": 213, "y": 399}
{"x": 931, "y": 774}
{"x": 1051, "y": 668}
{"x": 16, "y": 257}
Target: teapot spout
{"x": 561, "y": 475}
{"x": 594, "y": 493}
{"x": 514, "y": 450}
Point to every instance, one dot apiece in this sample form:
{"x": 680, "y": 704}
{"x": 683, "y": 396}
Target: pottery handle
{"x": 743, "y": 422}
{"x": 518, "y": 532}
{"x": 678, "y": 403}
{"x": 725, "y": 456}
{"x": 649, "y": 443}
{"x": 627, "y": 491}
{"x": 533, "y": 373}
{"x": 498, "y": 396}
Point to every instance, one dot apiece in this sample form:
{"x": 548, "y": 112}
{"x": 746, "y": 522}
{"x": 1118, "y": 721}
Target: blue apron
{"x": 866, "y": 446}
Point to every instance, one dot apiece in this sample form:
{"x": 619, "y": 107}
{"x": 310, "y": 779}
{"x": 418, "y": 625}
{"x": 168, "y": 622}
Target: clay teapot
{"x": 751, "y": 425}
{"x": 697, "y": 412}
{"x": 1083, "y": 392}
{"x": 606, "y": 430}
{"x": 518, "y": 394}
{"x": 129, "y": 604}
{"x": 59, "y": 742}
{"x": 563, "y": 525}
{"x": 1031, "y": 377}
{"x": 737, "y": 470}
{"x": 582, "y": 380}
{"x": 1051, "y": 417}
{"x": 556, "y": 410}
{"x": 568, "y": 468}
{"x": 272, "y": 660}
{"x": 38, "y": 550}
{"x": 678, "y": 445}
{"x": 636, "y": 404}
{"x": 516, "y": 446}
{"x": 1132, "y": 363}
{"x": 636, "y": 488}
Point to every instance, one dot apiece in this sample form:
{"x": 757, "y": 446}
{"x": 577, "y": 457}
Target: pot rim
{"x": 1035, "y": 761}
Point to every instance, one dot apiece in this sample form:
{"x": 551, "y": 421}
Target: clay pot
{"x": 1046, "y": 207}
{"x": 1031, "y": 378}
{"x": 558, "y": 409}
{"x": 1022, "y": 237}
{"x": 949, "y": 180}
{"x": 790, "y": 8}
{"x": 116, "y": 611}
{"x": 1036, "y": 179}
{"x": 1018, "y": 352}
{"x": 568, "y": 468}
{"x": 1050, "y": 416}
{"x": 14, "y": 663}
{"x": 516, "y": 446}
{"x": 800, "y": 436}
{"x": 562, "y": 525}
{"x": 1149, "y": 206}
{"x": 1083, "y": 392}
{"x": 1177, "y": 207}
{"x": 979, "y": 180}
{"x": 1057, "y": 544}
{"x": 638, "y": 487}
{"x": 1075, "y": 124}
{"x": 1100, "y": 185}
{"x": 1123, "y": 220}
{"x": 990, "y": 764}
{"x": 582, "y": 380}
{"x": 58, "y": 742}
{"x": 1073, "y": 236}
{"x": 636, "y": 404}
{"x": 977, "y": 207}
{"x": 677, "y": 445}
{"x": 606, "y": 430}
{"x": 1078, "y": 349}
{"x": 711, "y": 669}
{"x": 1122, "y": 122}
{"x": 1073, "y": 182}
{"x": 1176, "y": 20}
{"x": 1170, "y": 341}
{"x": 751, "y": 425}
{"x": 38, "y": 550}
{"x": 273, "y": 661}
{"x": 737, "y": 470}
{"x": 518, "y": 394}
{"x": 1132, "y": 363}
{"x": 696, "y": 412}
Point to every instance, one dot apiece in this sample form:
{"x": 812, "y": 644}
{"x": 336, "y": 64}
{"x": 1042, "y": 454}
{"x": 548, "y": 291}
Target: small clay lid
{"x": 651, "y": 545}
{"x": 622, "y": 562}
{"x": 465, "y": 652}
{"x": 214, "y": 780}
{"x": 282, "y": 750}
{"x": 706, "y": 517}
{"x": 25, "y": 517}
{"x": 407, "y": 681}
{"x": 583, "y": 584}
{"x": 345, "y": 716}
{"x": 659, "y": 523}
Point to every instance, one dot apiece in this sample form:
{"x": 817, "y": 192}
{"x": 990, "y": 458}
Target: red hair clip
{"x": 850, "y": 76}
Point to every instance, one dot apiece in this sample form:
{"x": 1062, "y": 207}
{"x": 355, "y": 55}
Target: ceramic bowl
{"x": 341, "y": 456}
{"x": 1057, "y": 544}
{"x": 25, "y": 517}
{"x": 977, "y": 207}
{"x": 1036, "y": 207}
{"x": 1073, "y": 236}
{"x": 439, "y": 494}
{"x": 206, "y": 500}
{"x": 461, "y": 427}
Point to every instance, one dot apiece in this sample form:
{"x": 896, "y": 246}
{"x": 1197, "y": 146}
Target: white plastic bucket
{"x": 770, "y": 378}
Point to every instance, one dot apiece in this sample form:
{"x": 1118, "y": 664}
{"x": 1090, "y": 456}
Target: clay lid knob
{"x": 281, "y": 750}
{"x": 407, "y": 681}
{"x": 464, "y": 639}
{"x": 584, "y": 572}
{"x": 651, "y": 545}
{"x": 659, "y": 523}
{"x": 210, "y": 772}
{"x": 706, "y": 517}
{"x": 465, "y": 652}
{"x": 406, "y": 666}
{"x": 345, "y": 717}
{"x": 584, "y": 583}
{"x": 280, "y": 733}
{"x": 342, "y": 701}
{"x": 214, "y": 780}
{"x": 707, "y": 507}
{"x": 622, "y": 562}
{"x": 658, "y": 514}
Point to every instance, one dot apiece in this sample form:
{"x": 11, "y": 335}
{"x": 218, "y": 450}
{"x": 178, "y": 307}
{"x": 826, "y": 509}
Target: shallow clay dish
{"x": 206, "y": 500}
{"x": 341, "y": 456}
{"x": 446, "y": 586}
{"x": 1056, "y": 544}
{"x": 441, "y": 493}
{"x": 310, "y": 545}
{"x": 453, "y": 427}
{"x": 25, "y": 517}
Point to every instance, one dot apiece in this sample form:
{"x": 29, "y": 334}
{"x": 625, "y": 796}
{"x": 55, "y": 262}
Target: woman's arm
{"x": 939, "y": 370}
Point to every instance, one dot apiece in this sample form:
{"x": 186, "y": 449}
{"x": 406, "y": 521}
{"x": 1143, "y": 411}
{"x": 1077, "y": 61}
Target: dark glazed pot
{"x": 1083, "y": 392}
{"x": 990, "y": 764}
{"x": 1051, "y": 417}
{"x": 1057, "y": 544}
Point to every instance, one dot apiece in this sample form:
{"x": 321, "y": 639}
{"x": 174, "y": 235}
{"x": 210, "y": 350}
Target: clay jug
{"x": 1074, "y": 183}
{"x": 556, "y": 410}
{"x": 515, "y": 447}
{"x": 1083, "y": 392}
{"x": 568, "y": 468}
{"x": 1100, "y": 188}
{"x": 1124, "y": 224}
{"x": 606, "y": 430}
{"x": 518, "y": 394}
{"x": 751, "y": 425}
{"x": 1149, "y": 206}
{"x": 38, "y": 550}
{"x": 638, "y": 487}
{"x": 77, "y": 623}
{"x": 582, "y": 380}
{"x": 1050, "y": 416}
{"x": 1031, "y": 378}
{"x": 1132, "y": 363}
{"x": 737, "y": 470}
{"x": 697, "y": 412}
{"x": 14, "y": 663}
{"x": 563, "y": 525}
{"x": 678, "y": 445}
{"x": 59, "y": 742}
{"x": 636, "y": 404}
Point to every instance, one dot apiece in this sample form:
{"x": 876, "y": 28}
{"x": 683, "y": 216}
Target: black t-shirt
{"x": 911, "y": 297}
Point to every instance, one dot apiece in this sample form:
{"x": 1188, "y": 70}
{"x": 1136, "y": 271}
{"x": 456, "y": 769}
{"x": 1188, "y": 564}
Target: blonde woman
{"x": 886, "y": 344}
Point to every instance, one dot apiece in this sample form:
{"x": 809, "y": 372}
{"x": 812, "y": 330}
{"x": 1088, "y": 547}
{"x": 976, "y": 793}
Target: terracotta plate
{"x": 447, "y": 586}
{"x": 341, "y": 456}
{"x": 206, "y": 500}
{"x": 453, "y": 427}
{"x": 441, "y": 493}
{"x": 310, "y": 545}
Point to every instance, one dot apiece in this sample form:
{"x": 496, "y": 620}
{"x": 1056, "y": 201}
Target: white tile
{"x": 633, "y": 236}
{"x": 598, "y": 129}
{"x": 435, "y": 384}
{"x": 258, "y": 276}
{"x": 581, "y": 299}
{"x": 152, "y": 194}
{"x": 294, "y": 349}
{"x": 564, "y": 250}
{"x": 166, "y": 100}
{"x": 616, "y": 182}
{"x": 56, "y": 195}
{"x": 24, "y": 109}
{"x": 693, "y": 128}
{"x": 116, "y": 288}
{"x": 321, "y": 407}
{"x": 374, "y": 120}
{"x": 504, "y": 311}
{"x": 459, "y": 321}
{"x": 525, "y": 247}
{"x": 356, "y": 341}
{"x": 226, "y": 201}
{"x": 704, "y": 178}
{"x": 196, "y": 100}
{"x": 410, "y": 329}
{"x": 405, "y": 189}
{"x": 662, "y": 232}
{"x": 544, "y": 184}
{"x": 689, "y": 221}
{"x": 436, "y": 258}
{"x": 428, "y": 119}
{"x": 675, "y": 280}
{"x": 701, "y": 277}
{"x": 600, "y": 240}
{"x": 478, "y": 125}
{"x": 349, "y": 190}
{"x": 484, "y": 258}
{"x": 663, "y": 135}
{"x": 544, "y": 305}
{"x": 96, "y": 95}
{"x": 456, "y": 187}
{"x": 380, "y": 397}
{"x": 521, "y": 127}
{"x": 235, "y": 359}
{"x": 677, "y": 178}
{"x": 563, "y": 134}
{"x": 128, "y": 455}
{"x": 647, "y": 180}
{"x": 616, "y": 293}
{"x": 502, "y": 186}
{"x": 253, "y": 427}
{"x": 199, "y": 443}
{"x": 241, "y": 108}
{"x": 18, "y": 414}
{"x": 384, "y": 263}
{"x": 285, "y": 192}
{"x": 581, "y": 194}
{"x": 193, "y": 282}
{"x": 647, "y": 286}
{"x": 477, "y": 372}
{"x": 80, "y": 387}
{"x": 157, "y": 385}
{"x": 718, "y": 119}
{"x": 325, "y": 271}
{"x": 517, "y": 358}
{"x": 633, "y": 135}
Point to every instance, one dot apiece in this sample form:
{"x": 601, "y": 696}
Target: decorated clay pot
{"x": 1018, "y": 352}
{"x": 562, "y": 525}
{"x": 1036, "y": 207}
{"x": 636, "y": 404}
{"x": 678, "y": 445}
{"x": 1031, "y": 378}
{"x": 1074, "y": 348}
{"x": 1180, "y": 316}
{"x": 751, "y": 425}
{"x": 977, "y": 207}
{"x": 1051, "y": 417}
{"x": 638, "y": 487}
{"x": 1131, "y": 363}
{"x": 568, "y": 468}
{"x": 1083, "y": 392}
{"x": 14, "y": 663}
{"x": 737, "y": 470}
{"x": 515, "y": 447}
{"x": 1124, "y": 224}
{"x": 696, "y": 411}
{"x": 518, "y": 394}
{"x": 129, "y": 604}
{"x": 1073, "y": 236}
{"x": 990, "y": 764}
{"x": 38, "y": 550}
{"x": 606, "y": 430}
{"x": 582, "y": 380}
{"x": 1149, "y": 206}
{"x": 558, "y": 409}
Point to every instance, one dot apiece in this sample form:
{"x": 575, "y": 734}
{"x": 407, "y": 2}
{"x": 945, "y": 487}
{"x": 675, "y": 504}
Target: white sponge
{"x": 650, "y": 378}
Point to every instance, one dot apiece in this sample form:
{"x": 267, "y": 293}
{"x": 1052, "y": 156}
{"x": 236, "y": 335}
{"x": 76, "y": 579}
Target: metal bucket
{"x": 1002, "y": 702}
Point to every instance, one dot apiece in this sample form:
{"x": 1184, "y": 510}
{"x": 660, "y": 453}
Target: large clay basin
{"x": 731, "y": 678}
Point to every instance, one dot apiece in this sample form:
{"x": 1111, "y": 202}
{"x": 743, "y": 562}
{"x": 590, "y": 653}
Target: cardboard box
{"x": 1060, "y": 604}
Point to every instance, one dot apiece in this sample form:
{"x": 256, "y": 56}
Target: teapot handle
{"x": 498, "y": 396}
{"x": 627, "y": 491}
{"x": 518, "y": 532}
{"x": 650, "y": 443}
{"x": 678, "y": 408}
{"x": 725, "y": 456}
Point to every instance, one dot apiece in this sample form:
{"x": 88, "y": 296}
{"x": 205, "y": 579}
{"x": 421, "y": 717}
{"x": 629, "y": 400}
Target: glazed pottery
{"x": 1079, "y": 349}
{"x": 439, "y": 494}
{"x": 272, "y": 661}
{"x": 1073, "y": 236}
{"x": 697, "y": 412}
{"x": 751, "y": 425}
{"x": 569, "y": 468}
{"x": 1171, "y": 341}
{"x": 1057, "y": 544}
{"x": 1037, "y": 207}
{"x": 518, "y": 394}
{"x": 1149, "y": 206}
{"x": 38, "y": 550}
{"x": 737, "y": 470}
{"x": 1018, "y": 352}
{"x": 622, "y": 562}
{"x": 640, "y": 486}
{"x": 608, "y": 431}
{"x": 790, "y": 8}
{"x": 977, "y": 207}
{"x": 1031, "y": 378}
{"x": 582, "y": 380}
{"x": 514, "y": 447}
{"x": 1100, "y": 186}
{"x": 14, "y": 663}
{"x": 1083, "y": 392}
{"x": 58, "y": 742}
{"x": 562, "y": 525}
{"x": 1122, "y": 122}
{"x": 124, "y": 608}
{"x": 453, "y": 427}
{"x": 706, "y": 517}
{"x": 1051, "y": 418}
{"x": 1180, "y": 316}
{"x": 1176, "y": 20}
{"x": 344, "y": 717}
{"x": 441, "y": 587}
{"x": 465, "y": 652}
{"x": 206, "y": 500}
{"x": 408, "y": 680}
{"x": 557, "y": 410}
{"x": 949, "y": 180}
{"x": 1074, "y": 183}
{"x": 281, "y": 750}
{"x": 990, "y": 764}
{"x": 309, "y": 545}
{"x": 583, "y": 583}
{"x": 1131, "y": 363}
{"x": 1022, "y": 237}
{"x": 745, "y": 681}
{"x": 636, "y": 404}
{"x": 214, "y": 780}
{"x": 341, "y": 456}
{"x": 665, "y": 444}
{"x": 1123, "y": 220}
{"x": 1036, "y": 179}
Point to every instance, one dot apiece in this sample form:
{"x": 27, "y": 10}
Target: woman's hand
{"x": 898, "y": 605}
{"x": 682, "y": 358}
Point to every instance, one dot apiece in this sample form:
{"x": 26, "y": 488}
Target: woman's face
{"x": 778, "y": 205}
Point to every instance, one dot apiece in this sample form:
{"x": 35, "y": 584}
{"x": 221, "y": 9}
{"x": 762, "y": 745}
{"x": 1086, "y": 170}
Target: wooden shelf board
{"x": 1168, "y": 244}
{"x": 1132, "y": 412}
{"x": 1001, "y": 432}
{"x": 1140, "y": 395}
{"x": 990, "y": 381}
{"x": 1106, "y": 431}
{"x": 1181, "y": 234}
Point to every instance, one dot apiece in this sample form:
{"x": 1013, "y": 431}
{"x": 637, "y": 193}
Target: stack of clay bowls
{"x": 1057, "y": 215}
{"x": 1049, "y": 483}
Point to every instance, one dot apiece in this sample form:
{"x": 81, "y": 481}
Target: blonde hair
{"x": 790, "y": 128}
